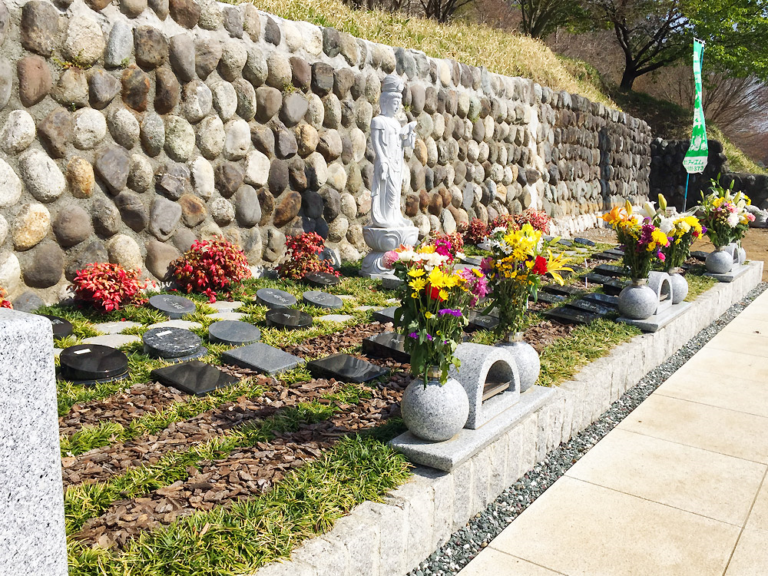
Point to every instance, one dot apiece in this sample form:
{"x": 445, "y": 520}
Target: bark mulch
{"x": 545, "y": 333}
{"x": 322, "y": 346}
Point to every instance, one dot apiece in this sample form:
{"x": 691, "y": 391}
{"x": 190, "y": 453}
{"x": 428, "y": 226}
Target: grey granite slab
{"x": 32, "y": 537}
{"x": 452, "y": 453}
{"x": 197, "y": 378}
{"x": 173, "y": 344}
{"x": 738, "y": 270}
{"x": 262, "y": 358}
{"x": 233, "y": 332}
{"x": 175, "y": 307}
{"x": 322, "y": 279}
{"x": 345, "y": 368}
{"x": 322, "y": 299}
{"x": 658, "y": 321}
{"x": 274, "y": 298}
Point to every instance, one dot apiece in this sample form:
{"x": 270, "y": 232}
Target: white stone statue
{"x": 388, "y": 229}
{"x": 389, "y": 139}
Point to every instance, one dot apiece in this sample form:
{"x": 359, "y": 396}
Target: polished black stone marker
{"x": 385, "y": 315}
{"x": 699, "y": 255}
{"x": 545, "y": 298}
{"x": 273, "y": 298}
{"x": 345, "y": 368}
{"x": 606, "y": 256}
{"x": 597, "y": 278}
{"x": 288, "y": 319}
{"x": 194, "y": 377}
{"x": 615, "y": 286}
{"x": 610, "y": 270}
{"x": 233, "y": 332}
{"x": 61, "y": 328}
{"x": 322, "y": 279}
{"x": 387, "y": 345}
{"x": 615, "y": 251}
{"x": 174, "y": 307}
{"x": 92, "y": 364}
{"x": 573, "y": 315}
{"x": 174, "y": 344}
{"x": 565, "y": 242}
{"x": 562, "y": 290}
{"x": 478, "y": 321}
{"x": 584, "y": 241}
{"x": 322, "y": 300}
{"x": 591, "y": 306}
{"x": 604, "y": 299}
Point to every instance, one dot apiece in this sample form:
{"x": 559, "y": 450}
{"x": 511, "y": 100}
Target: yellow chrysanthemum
{"x": 416, "y": 272}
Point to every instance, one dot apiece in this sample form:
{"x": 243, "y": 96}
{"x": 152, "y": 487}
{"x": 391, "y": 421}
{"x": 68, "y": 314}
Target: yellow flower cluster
{"x": 658, "y": 239}
{"x": 681, "y": 227}
{"x": 436, "y": 278}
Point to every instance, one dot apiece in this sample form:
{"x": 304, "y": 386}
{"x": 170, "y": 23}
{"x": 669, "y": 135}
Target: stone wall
{"x": 131, "y": 128}
{"x": 668, "y": 175}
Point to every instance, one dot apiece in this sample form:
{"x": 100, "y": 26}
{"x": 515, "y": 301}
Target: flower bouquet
{"x": 515, "y": 270}
{"x": 643, "y": 245}
{"x": 434, "y": 306}
{"x": 727, "y": 220}
{"x": 435, "y": 302}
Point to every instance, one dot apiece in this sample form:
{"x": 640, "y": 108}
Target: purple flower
{"x": 453, "y": 312}
{"x": 414, "y": 335}
{"x": 429, "y": 337}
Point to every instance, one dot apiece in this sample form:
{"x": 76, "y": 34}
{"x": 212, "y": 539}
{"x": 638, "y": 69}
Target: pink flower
{"x": 390, "y": 258}
{"x": 662, "y": 257}
{"x": 750, "y": 217}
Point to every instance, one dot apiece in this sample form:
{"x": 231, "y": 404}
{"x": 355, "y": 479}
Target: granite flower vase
{"x": 679, "y": 286}
{"x": 526, "y": 358}
{"x": 742, "y": 255}
{"x": 720, "y": 261}
{"x": 638, "y": 300}
{"x": 435, "y": 412}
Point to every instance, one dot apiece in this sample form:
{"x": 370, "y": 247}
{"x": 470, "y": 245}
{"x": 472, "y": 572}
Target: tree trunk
{"x": 628, "y": 78}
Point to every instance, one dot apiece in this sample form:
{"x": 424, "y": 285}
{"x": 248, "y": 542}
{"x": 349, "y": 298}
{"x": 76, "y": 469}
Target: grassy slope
{"x": 501, "y": 52}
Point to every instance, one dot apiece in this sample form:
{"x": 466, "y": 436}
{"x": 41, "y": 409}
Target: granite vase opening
{"x": 638, "y": 300}
{"x": 435, "y": 412}
{"x": 720, "y": 261}
{"x": 526, "y": 359}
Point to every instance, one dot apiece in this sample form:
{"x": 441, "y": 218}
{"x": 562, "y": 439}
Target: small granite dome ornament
{"x": 388, "y": 229}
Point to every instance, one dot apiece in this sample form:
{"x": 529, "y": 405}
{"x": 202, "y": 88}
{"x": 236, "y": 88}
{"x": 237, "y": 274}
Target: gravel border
{"x": 468, "y": 542}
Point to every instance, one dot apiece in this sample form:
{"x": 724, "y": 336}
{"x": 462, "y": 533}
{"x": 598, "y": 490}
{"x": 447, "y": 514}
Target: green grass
{"x": 698, "y": 283}
{"x": 563, "y": 358}
{"x": 254, "y": 532}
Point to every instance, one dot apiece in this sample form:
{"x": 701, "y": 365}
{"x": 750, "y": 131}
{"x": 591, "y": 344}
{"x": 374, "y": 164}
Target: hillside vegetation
{"x": 500, "y": 51}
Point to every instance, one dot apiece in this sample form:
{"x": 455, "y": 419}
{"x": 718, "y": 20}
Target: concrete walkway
{"x": 678, "y": 488}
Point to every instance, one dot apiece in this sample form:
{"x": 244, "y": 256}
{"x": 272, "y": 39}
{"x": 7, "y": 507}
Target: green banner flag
{"x": 696, "y": 158}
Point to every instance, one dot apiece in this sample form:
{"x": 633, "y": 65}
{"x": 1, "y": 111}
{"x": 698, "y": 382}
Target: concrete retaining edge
{"x": 393, "y": 537}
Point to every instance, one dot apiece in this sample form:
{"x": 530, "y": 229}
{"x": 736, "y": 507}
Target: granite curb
{"x": 391, "y": 538}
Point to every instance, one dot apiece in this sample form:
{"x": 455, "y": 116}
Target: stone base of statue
{"x": 383, "y": 240}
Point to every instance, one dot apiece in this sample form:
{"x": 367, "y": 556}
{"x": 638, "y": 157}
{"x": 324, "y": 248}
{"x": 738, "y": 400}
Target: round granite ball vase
{"x": 638, "y": 300}
{"x": 435, "y": 412}
{"x": 679, "y": 285}
{"x": 526, "y": 358}
{"x": 720, "y": 261}
{"x": 742, "y": 255}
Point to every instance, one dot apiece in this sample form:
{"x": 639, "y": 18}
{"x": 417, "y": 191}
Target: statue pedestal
{"x": 382, "y": 240}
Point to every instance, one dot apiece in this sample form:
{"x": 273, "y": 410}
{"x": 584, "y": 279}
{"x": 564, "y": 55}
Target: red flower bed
{"x": 303, "y": 257}
{"x": 210, "y": 266}
{"x": 108, "y": 287}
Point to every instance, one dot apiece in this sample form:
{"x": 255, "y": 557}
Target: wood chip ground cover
{"x": 166, "y": 467}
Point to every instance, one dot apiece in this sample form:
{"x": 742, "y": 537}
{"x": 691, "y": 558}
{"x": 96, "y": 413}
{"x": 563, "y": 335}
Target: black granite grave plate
{"x": 606, "y": 256}
{"x": 385, "y": 315}
{"x": 262, "y": 358}
{"x": 233, "y": 332}
{"x": 699, "y": 255}
{"x": 273, "y": 298}
{"x": 174, "y": 307}
{"x": 615, "y": 286}
{"x": 194, "y": 377}
{"x": 573, "y": 315}
{"x": 478, "y": 321}
{"x": 610, "y": 270}
{"x": 172, "y": 343}
{"x": 288, "y": 319}
{"x": 345, "y": 368}
{"x": 604, "y": 299}
{"x": 61, "y": 328}
{"x": 592, "y": 306}
{"x": 615, "y": 251}
{"x": 322, "y": 300}
{"x": 565, "y": 242}
{"x": 597, "y": 278}
{"x": 549, "y": 298}
{"x": 387, "y": 345}
{"x": 321, "y": 279}
{"x": 92, "y": 362}
{"x": 584, "y": 241}
{"x": 562, "y": 290}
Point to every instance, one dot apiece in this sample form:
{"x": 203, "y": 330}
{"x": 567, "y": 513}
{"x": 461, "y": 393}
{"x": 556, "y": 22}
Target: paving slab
{"x": 224, "y": 306}
{"x": 750, "y": 558}
{"x": 231, "y": 316}
{"x": 579, "y": 528}
{"x": 340, "y": 318}
{"x": 496, "y": 563}
{"x": 115, "y": 327}
{"x": 113, "y": 340}
{"x": 185, "y": 324}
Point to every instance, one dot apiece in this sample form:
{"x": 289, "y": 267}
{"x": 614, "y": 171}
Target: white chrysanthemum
{"x": 733, "y": 220}
{"x": 666, "y": 225}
